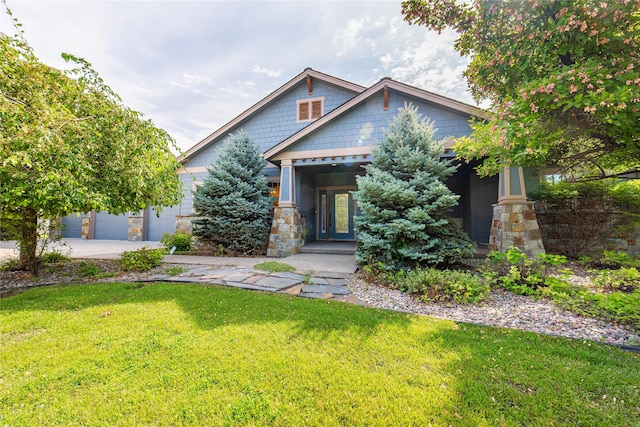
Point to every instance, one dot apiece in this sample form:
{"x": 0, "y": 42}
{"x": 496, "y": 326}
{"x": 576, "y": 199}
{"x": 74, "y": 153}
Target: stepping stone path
{"x": 330, "y": 286}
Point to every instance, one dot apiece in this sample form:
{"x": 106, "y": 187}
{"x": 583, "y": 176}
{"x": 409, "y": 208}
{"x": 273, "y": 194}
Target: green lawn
{"x": 166, "y": 354}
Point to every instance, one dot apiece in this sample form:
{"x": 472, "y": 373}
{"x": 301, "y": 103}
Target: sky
{"x": 193, "y": 66}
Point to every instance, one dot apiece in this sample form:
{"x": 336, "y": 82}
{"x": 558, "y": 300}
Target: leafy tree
{"x": 68, "y": 144}
{"x": 404, "y": 201}
{"x": 234, "y": 200}
{"x": 563, "y": 78}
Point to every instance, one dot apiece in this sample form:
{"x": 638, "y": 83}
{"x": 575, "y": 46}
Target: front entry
{"x": 336, "y": 209}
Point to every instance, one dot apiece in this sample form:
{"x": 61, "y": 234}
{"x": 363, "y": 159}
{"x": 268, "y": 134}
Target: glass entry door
{"x": 336, "y": 211}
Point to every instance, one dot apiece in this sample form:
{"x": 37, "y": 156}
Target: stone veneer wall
{"x": 184, "y": 225}
{"x": 135, "y": 227}
{"x": 286, "y": 232}
{"x": 515, "y": 224}
{"x": 628, "y": 241}
{"x": 624, "y": 242}
{"x": 86, "y": 227}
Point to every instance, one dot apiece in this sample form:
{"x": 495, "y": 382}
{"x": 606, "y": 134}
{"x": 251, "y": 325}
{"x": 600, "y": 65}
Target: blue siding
{"x": 111, "y": 227}
{"x": 364, "y": 124}
{"x": 278, "y": 121}
{"x": 72, "y": 226}
{"x": 159, "y": 225}
{"x": 166, "y": 221}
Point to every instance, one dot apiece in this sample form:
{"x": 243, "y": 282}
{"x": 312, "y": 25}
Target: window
{"x": 274, "y": 191}
{"x": 310, "y": 109}
{"x": 195, "y": 185}
{"x": 550, "y": 176}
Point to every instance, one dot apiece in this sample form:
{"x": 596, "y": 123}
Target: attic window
{"x": 310, "y": 109}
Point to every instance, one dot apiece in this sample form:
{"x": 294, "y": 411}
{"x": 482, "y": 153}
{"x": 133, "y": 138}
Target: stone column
{"x": 184, "y": 224}
{"x": 88, "y": 226}
{"x": 286, "y": 232}
{"x": 286, "y": 235}
{"x": 514, "y": 218}
{"x": 515, "y": 224}
{"x": 136, "y": 227}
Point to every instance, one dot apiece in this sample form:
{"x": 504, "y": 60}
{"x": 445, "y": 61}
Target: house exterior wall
{"x": 273, "y": 124}
{"x": 364, "y": 125}
{"x": 361, "y": 126}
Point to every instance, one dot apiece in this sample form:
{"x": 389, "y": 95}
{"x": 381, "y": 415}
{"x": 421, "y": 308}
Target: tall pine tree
{"x": 404, "y": 201}
{"x": 233, "y": 200}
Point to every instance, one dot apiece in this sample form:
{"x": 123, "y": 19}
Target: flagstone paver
{"x": 331, "y": 286}
{"x": 238, "y": 277}
{"x": 277, "y": 283}
{"x": 318, "y": 281}
{"x": 286, "y": 275}
{"x": 326, "y": 289}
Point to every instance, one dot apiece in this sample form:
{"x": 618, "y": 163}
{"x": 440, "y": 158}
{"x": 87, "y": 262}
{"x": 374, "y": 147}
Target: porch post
{"x": 514, "y": 218}
{"x": 287, "y": 185}
{"x": 286, "y": 232}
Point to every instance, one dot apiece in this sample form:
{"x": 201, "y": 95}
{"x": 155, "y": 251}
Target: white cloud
{"x": 193, "y": 66}
{"x": 265, "y": 71}
{"x": 359, "y": 35}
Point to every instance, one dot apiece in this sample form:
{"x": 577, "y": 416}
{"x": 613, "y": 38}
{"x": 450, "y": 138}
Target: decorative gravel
{"x": 502, "y": 309}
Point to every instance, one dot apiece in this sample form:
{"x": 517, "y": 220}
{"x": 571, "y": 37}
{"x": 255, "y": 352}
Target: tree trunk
{"x": 29, "y": 241}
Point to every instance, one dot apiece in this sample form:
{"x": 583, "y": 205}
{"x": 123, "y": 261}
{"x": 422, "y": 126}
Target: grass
{"x": 275, "y": 267}
{"x": 174, "y": 271}
{"x": 123, "y": 354}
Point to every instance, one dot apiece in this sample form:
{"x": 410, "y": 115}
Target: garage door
{"x": 111, "y": 227}
{"x": 72, "y": 226}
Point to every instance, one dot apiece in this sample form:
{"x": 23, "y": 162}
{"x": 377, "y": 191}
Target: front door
{"x": 336, "y": 211}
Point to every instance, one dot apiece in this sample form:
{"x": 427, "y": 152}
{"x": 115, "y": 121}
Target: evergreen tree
{"x": 404, "y": 201}
{"x": 233, "y": 200}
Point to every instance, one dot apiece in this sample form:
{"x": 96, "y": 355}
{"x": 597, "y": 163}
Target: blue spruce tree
{"x": 404, "y": 201}
{"x": 233, "y": 200}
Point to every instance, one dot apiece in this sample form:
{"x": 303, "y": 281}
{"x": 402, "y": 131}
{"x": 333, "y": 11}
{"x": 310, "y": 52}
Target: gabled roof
{"x": 308, "y": 72}
{"x": 363, "y": 96}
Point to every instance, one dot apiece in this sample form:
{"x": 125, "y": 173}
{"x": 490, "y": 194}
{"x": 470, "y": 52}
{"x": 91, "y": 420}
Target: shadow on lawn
{"x": 478, "y": 375}
{"x": 210, "y": 306}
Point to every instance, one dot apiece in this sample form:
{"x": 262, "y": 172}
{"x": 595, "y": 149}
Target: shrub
{"x": 144, "y": 259}
{"x": 10, "y": 265}
{"x": 88, "y": 269}
{"x": 444, "y": 285}
{"x": 616, "y": 307}
{"x": 181, "y": 241}
{"x": 516, "y": 272}
{"x": 53, "y": 257}
{"x": 613, "y": 259}
{"x": 575, "y": 217}
{"x": 624, "y": 280}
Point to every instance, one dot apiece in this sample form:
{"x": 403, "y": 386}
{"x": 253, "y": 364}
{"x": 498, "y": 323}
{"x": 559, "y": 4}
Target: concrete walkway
{"x": 112, "y": 249}
{"x": 322, "y": 276}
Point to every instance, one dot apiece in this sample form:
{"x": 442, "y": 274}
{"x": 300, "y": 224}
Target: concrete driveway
{"x": 112, "y": 249}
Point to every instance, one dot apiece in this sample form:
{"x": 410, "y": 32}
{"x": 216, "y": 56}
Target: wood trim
{"x": 332, "y": 152}
{"x": 309, "y": 85}
{"x": 386, "y": 98}
{"x": 198, "y": 169}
